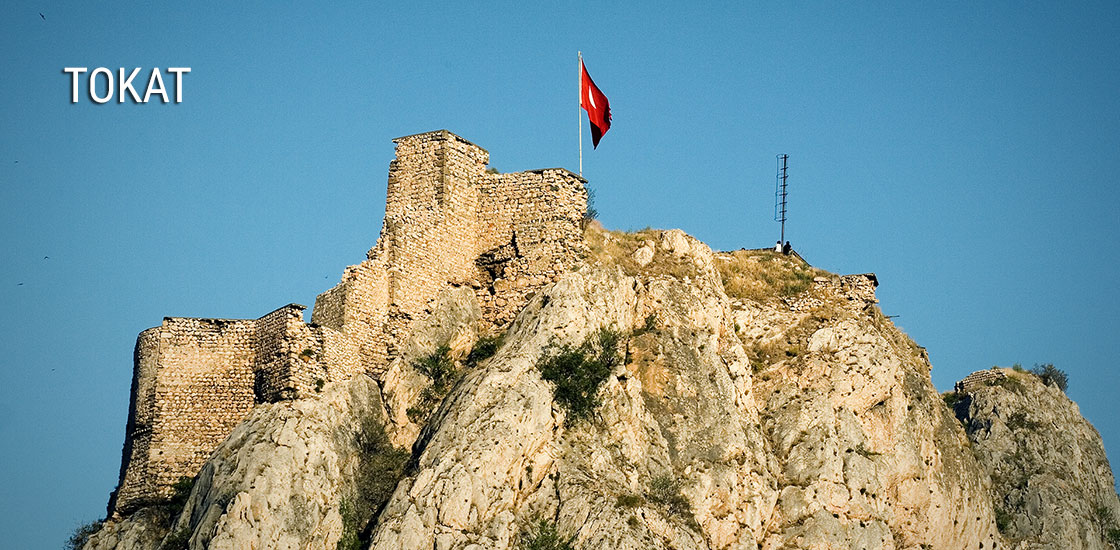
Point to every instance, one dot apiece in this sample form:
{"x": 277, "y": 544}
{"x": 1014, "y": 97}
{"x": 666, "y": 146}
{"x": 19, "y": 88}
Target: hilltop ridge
{"x": 498, "y": 372}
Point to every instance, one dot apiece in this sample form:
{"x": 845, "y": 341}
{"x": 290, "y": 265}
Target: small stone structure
{"x": 979, "y": 379}
{"x": 858, "y": 289}
{"x": 448, "y": 222}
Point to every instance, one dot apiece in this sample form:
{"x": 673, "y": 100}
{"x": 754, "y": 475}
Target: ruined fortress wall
{"x": 531, "y": 233}
{"x": 201, "y": 381}
{"x": 431, "y": 222}
{"x": 133, "y": 485}
{"x": 279, "y": 342}
{"x": 358, "y": 308}
{"x": 198, "y": 378}
{"x": 447, "y": 222}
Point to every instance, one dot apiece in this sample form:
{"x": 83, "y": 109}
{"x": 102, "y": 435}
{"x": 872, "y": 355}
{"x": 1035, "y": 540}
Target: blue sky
{"x": 967, "y": 153}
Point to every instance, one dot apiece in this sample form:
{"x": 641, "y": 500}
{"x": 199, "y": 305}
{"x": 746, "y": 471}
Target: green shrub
{"x": 666, "y": 491}
{"x": 591, "y": 213}
{"x": 1019, "y": 421}
{"x": 81, "y": 535}
{"x": 179, "y": 540}
{"x": 577, "y": 372}
{"x": 483, "y": 349}
{"x": 181, "y": 491}
{"x": 437, "y": 366}
{"x": 951, "y": 398}
{"x": 441, "y": 369}
{"x": 1051, "y": 376}
{"x": 544, "y": 535}
{"x": 380, "y": 467}
{"x": 630, "y": 501}
{"x": 350, "y": 528}
{"x": 1113, "y": 537}
{"x": 1003, "y": 520}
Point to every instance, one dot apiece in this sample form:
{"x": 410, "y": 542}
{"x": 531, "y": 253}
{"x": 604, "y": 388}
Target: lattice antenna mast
{"x": 781, "y": 193}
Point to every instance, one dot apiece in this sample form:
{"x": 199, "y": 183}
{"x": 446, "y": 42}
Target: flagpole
{"x": 579, "y": 115}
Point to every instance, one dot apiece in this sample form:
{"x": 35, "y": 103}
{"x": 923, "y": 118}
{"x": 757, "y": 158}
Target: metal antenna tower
{"x": 780, "y": 194}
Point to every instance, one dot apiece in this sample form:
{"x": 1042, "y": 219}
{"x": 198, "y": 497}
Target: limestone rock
{"x": 278, "y": 481}
{"x": 730, "y": 423}
{"x": 1052, "y": 481}
{"x": 142, "y": 530}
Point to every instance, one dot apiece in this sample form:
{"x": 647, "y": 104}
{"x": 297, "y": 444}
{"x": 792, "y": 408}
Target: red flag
{"x": 595, "y": 103}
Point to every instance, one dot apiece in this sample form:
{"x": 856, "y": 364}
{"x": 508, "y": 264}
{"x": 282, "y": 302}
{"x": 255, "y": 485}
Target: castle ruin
{"x": 448, "y": 222}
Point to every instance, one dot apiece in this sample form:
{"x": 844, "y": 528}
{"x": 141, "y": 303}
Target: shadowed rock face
{"x": 731, "y": 422}
{"x": 1051, "y": 478}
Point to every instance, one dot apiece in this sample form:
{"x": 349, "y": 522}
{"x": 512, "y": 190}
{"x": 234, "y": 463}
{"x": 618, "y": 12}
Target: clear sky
{"x": 967, "y": 153}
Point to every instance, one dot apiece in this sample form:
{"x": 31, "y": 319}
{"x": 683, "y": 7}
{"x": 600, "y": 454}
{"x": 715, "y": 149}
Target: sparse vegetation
{"x": 380, "y": 468}
{"x": 762, "y": 275}
{"x": 1107, "y": 522}
{"x": 483, "y": 349}
{"x": 1011, "y": 383}
{"x": 790, "y": 345}
{"x": 665, "y": 490}
{"x": 1019, "y": 421}
{"x": 630, "y": 501}
{"x": 319, "y": 383}
{"x": 81, "y": 535}
{"x": 617, "y": 248}
{"x": 350, "y": 528}
{"x": 179, "y": 540}
{"x": 951, "y": 398}
{"x": 1113, "y": 537}
{"x": 863, "y": 451}
{"x": 648, "y": 325}
{"x": 181, "y": 491}
{"x": 544, "y": 535}
{"x": 591, "y": 213}
{"x": 577, "y": 372}
{"x": 1003, "y": 520}
{"x": 441, "y": 369}
{"x": 1051, "y": 376}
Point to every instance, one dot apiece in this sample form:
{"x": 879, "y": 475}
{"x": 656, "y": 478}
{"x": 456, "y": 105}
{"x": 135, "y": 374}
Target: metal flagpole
{"x": 579, "y": 115}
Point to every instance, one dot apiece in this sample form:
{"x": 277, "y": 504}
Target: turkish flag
{"x": 595, "y": 103}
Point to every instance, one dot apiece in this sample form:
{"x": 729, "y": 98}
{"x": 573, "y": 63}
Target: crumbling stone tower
{"x": 448, "y": 222}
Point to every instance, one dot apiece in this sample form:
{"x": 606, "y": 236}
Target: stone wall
{"x": 195, "y": 379}
{"x": 978, "y": 379}
{"x": 859, "y": 290}
{"x": 448, "y": 222}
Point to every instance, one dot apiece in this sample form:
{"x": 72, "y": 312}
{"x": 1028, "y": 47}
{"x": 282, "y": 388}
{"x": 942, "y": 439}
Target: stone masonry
{"x": 978, "y": 379}
{"x": 448, "y": 222}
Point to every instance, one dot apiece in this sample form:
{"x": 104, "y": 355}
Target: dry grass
{"x": 617, "y": 248}
{"x": 763, "y": 275}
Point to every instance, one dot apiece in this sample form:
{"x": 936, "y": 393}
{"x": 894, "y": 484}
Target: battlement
{"x": 448, "y": 222}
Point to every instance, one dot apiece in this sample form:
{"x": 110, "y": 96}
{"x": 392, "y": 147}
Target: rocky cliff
{"x": 736, "y": 401}
{"x": 1053, "y": 487}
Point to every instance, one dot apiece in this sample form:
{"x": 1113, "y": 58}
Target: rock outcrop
{"x": 494, "y": 375}
{"x": 1053, "y": 485}
{"x": 731, "y": 420}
